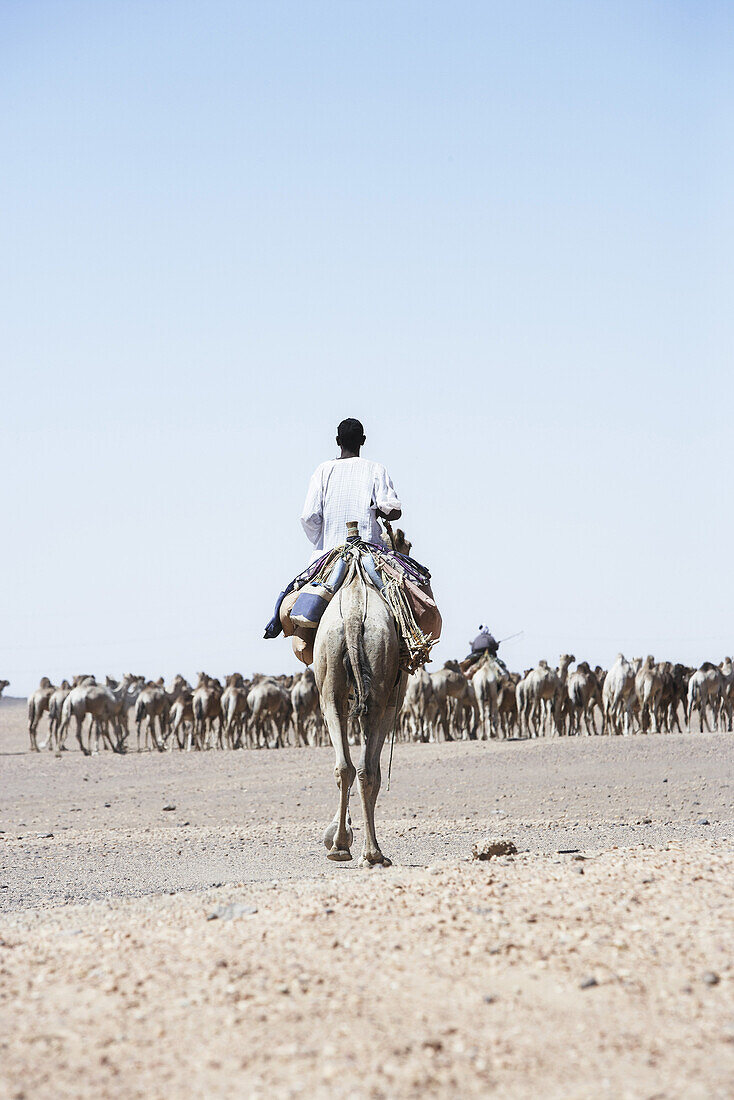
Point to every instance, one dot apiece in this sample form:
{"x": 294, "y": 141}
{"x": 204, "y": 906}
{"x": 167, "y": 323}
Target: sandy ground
{"x": 212, "y": 950}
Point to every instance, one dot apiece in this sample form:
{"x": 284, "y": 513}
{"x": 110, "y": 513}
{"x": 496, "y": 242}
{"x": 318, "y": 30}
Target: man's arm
{"x": 312, "y": 516}
{"x": 386, "y": 499}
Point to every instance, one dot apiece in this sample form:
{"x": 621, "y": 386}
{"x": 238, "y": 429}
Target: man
{"x": 345, "y": 488}
{"x": 348, "y": 488}
{"x": 482, "y": 644}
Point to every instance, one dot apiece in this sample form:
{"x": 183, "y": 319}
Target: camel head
{"x": 402, "y": 545}
{"x": 452, "y": 666}
{"x": 3, "y": 685}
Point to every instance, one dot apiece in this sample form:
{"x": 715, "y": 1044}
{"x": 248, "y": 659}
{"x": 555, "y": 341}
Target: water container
{"x": 313, "y": 599}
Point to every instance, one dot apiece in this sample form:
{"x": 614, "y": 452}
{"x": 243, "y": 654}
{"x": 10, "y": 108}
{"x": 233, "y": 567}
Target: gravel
{"x": 230, "y": 958}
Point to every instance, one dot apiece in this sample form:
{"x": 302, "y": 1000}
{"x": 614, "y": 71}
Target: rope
{"x": 417, "y": 645}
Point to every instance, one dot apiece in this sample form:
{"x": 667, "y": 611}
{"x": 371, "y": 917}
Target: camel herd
{"x": 144, "y": 714}
{"x": 448, "y": 704}
{"x": 637, "y": 696}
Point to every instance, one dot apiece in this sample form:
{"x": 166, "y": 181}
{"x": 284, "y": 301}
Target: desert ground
{"x": 170, "y": 926}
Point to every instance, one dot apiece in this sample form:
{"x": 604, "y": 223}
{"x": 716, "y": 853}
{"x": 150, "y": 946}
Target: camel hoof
{"x": 330, "y": 835}
{"x": 375, "y": 861}
{"x": 339, "y": 855}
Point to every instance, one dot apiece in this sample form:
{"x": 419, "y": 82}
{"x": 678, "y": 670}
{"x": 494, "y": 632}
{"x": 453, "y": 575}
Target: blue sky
{"x": 501, "y": 235}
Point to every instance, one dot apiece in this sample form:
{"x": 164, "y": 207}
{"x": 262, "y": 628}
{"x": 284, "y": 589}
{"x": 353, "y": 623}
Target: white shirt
{"x": 345, "y": 489}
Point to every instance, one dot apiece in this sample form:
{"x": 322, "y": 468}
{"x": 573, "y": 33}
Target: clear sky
{"x": 499, "y": 234}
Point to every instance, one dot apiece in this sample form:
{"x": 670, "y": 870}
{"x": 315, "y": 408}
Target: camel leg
{"x": 85, "y": 750}
{"x": 446, "y": 722}
{"x": 338, "y": 836}
{"x": 370, "y": 780}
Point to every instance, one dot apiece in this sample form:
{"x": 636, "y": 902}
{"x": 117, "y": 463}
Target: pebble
{"x": 703, "y": 821}
{"x": 169, "y": 807}
{"x": 588, "y": 983}
{"x": 493, "y": 846}
{"x": 710, "y": 977}
{"x": 232, "y": 911}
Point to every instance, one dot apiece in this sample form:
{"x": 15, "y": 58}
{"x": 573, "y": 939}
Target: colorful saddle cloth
{"x": 403, "y": 583}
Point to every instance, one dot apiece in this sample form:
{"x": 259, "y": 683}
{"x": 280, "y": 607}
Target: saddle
{"x": 403, "y": 583}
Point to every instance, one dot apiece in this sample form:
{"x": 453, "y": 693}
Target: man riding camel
{"x": 485, "y": 644}
{"x": 342, "y": 489}
{"x": 348, "y": 488}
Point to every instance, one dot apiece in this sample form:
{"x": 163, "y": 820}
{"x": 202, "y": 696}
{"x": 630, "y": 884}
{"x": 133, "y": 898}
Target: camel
{"x": 671, "y": 696}
{"x": 420, "y": 708}
{"x": 182, "y": 718}
{"x": 485, "y": 680}
{"x": 402, "y": 545}
{"x": 120, "y": 700}
{"x": 207, "y": 706}
{"x": 152, "y": 704}
{"x": 706, "y": 691}
{"x": 37, "y": 706}
{"x": 727, "y": 672}
{"x": 98, "y": 701}
{"x": 617, "y": 693}
{"x": 648, "y": 685}
{"x": 507, "y": 704}
{"x": 234, "y": 711}
{"x": 304, "y": 705}
{"x": 539, "y": 698}
{"x": 270, "y": 707}
{"x": 55, "y": 704}
{"x": 450, "y": 683}
{"x": 582, "y": 689}
{"x": 110, "y": 704}
{"x": 564, "y": 703}
{"x": 356, "y": 654}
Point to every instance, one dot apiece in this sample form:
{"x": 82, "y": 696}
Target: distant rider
{"x": 484, "y": 643}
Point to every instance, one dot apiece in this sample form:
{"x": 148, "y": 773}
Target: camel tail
{"x": 356, "y": 664}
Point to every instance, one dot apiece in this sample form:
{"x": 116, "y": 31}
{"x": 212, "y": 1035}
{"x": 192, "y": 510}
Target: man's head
{"x": 350, "y": 435}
